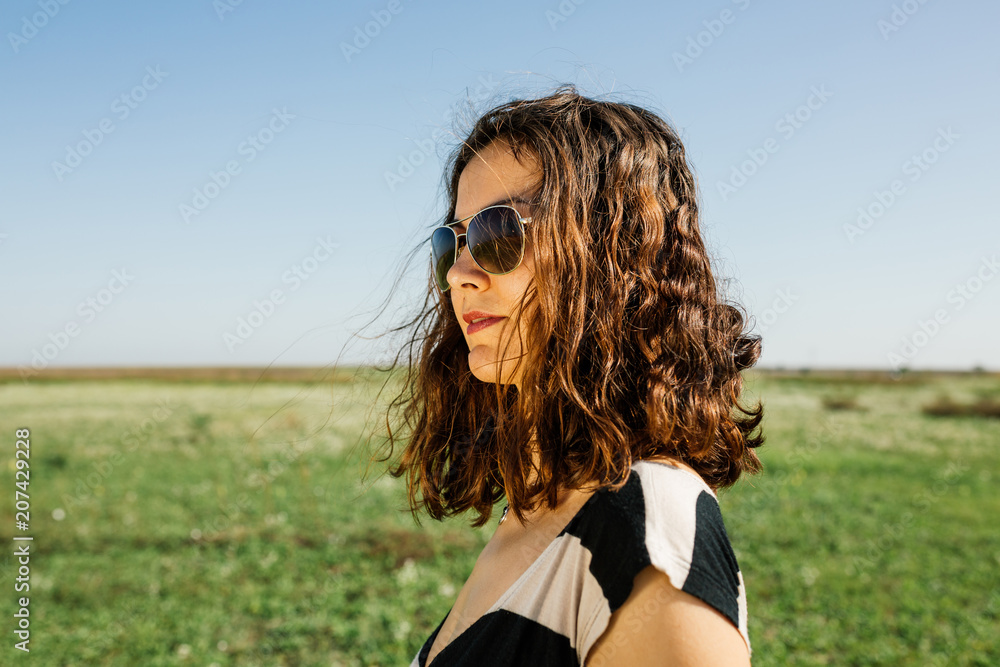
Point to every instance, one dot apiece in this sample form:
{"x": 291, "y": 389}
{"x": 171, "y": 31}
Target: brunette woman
{"x": 577, "y": 360}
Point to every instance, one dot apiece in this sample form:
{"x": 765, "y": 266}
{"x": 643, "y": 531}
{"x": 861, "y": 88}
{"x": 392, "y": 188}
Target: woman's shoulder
{"x": 660, "y": 505}
{"x": 665, "y": 515}
{"x": 671, "y": 478}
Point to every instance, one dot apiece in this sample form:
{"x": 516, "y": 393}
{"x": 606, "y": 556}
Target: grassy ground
{"x": 181, "y": 523}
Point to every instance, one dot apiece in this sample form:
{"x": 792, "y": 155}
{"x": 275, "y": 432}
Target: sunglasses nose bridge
{"x": 461, "y": 241}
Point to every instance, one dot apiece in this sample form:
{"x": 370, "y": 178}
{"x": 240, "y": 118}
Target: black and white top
{"x": 555, "y": 612}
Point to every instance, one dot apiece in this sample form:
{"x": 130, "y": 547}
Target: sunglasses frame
{"x": 459, "y": 244}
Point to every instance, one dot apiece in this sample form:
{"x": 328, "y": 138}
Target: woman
{"x": 576, "y": 360}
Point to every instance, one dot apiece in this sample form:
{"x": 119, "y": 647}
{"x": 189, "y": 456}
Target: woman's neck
{"x": 567, "y": 499}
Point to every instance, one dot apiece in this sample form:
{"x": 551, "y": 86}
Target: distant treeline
{"x": 349, "y": 373}
{"x": 193, "y": 374}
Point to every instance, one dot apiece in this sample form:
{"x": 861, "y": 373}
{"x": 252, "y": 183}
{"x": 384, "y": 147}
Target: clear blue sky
{"x": 115, "y": 113}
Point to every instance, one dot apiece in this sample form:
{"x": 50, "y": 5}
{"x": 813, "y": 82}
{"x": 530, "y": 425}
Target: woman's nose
{"x": 465, "y": 272}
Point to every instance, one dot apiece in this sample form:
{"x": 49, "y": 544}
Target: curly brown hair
{"x": 631, "y": 352}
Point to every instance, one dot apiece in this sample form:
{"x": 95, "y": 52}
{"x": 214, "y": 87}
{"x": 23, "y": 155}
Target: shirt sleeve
{"x": 669, "y": 518}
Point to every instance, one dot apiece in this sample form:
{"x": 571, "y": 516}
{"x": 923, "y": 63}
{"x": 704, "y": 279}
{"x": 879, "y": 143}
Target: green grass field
{"x": 225, "y": 523}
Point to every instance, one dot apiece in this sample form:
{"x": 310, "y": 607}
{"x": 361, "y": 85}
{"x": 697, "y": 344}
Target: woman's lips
{"x": 482, "y": 324}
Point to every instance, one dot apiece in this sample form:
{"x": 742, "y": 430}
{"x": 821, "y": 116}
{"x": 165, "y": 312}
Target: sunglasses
{"x": 495, "y": 237}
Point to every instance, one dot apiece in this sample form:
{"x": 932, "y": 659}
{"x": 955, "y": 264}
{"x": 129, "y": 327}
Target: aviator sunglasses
{"x": 495, "y": 237}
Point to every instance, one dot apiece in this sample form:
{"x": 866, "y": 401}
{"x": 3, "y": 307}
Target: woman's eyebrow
{"x": 516, "y": 199}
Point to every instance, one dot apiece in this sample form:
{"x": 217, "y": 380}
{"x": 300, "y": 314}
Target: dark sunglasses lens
{"x": 442, "y": 255}
{"x": 496, "y": 239}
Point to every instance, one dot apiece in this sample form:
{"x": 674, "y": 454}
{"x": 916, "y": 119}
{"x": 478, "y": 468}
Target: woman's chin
{"x": 484, "y": 372}
{"x": 488, "y": 370}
